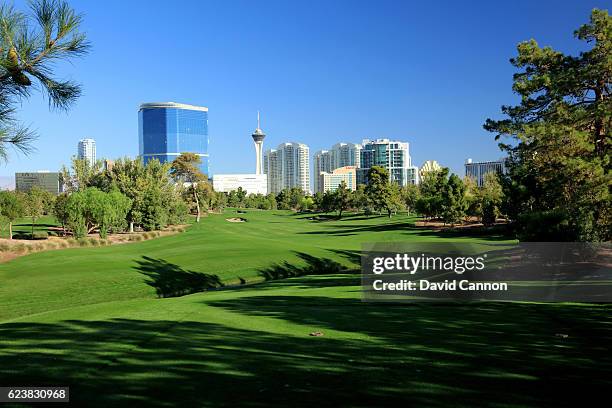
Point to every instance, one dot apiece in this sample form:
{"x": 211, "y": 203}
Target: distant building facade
{"x": 86, "y": 150}
{"x": 46, "y": 180}
{"x": 251, "y": 183}
{"x": 331, "y": 181}
{"x": 428, "y": 167}
{"x": 167, "y": 129}
{"x": 478, "y": 170}
{"x": 321, "y": 163}
{"x": 345, "y": 154}
{"x": 393, "y": 156}
{"x": 288, "y": 166}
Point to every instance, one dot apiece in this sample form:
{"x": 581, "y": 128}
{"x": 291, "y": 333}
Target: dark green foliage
{"x": 453, "y": 203}
{"x": 382, "y": 194}
{"x": 31, "y": 45}
{"x": 558, "y": 156}
{"x": 429, "y": 204}
{"x": 12, "y": 206}
{"x": 343, "y": 198}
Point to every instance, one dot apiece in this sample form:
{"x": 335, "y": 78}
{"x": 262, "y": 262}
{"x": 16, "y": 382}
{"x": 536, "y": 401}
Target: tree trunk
{"x": 195, "y": 196}
{"x": 33, "y": 227}
{"x": 131, "y": 226}
{"x": 10, "y": 230}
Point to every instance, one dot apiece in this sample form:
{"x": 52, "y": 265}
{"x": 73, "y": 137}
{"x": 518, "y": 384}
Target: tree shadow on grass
{"x": 312, "y": 266}
{"x": 346, "y": 229}
{"x": 170, "y": 280}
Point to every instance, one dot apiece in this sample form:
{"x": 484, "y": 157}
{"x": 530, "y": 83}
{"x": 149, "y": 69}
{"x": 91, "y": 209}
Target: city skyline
{"x": 302, "y": 96}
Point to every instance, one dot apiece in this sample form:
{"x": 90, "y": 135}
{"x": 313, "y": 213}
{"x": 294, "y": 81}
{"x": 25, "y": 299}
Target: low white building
{"x": 251, "y": 183}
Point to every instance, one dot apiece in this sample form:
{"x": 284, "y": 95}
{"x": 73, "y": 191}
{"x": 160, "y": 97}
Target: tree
{"x": 328, "y": 201}
{"x": 271, "y": 199}
{"x": 91, "y": 209}
{"x": 472, "y": 197}
{"x": 35, "y": 204}
{"x": 558, "y": 155}
{"x": 490, "y": 197}
{"x": 343, "y": 198}
{"x": 82, "y": 175}
{"x": 31, "y": 45}
{"x": 429, "y": 204}
{"x": 11, "y": 207}
{"x": 360, "y": 199}
{"x": 236, "y": 198}
{"x": 384, "y": 195}
{"x": 221, "y": 201}
{"x": 185, "y": 169}
{"x": 454, "y": 203}
{"x": 60, "y": 211}
{"x": 409, "y": 195}
{"x": 108, "y": 210}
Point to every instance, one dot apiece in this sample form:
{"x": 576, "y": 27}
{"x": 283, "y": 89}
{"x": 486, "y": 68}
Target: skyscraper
{"x": 288, "y": 166}
{"x": 345, "y": 154}
{"x": 478, "y": 170}
{"x": 258, "y": 137}
{"x": 86, "y": 150}
{"x": 167, "y": 129}
{"x": 321, "y": 162}
{"x": 393, "y": 156}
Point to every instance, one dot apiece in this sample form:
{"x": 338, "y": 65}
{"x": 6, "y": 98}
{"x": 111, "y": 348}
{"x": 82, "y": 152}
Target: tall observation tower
{"x": 258, "y": 137}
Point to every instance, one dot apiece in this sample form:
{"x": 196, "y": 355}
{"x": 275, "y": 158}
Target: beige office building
{"x": 331, "y": 181}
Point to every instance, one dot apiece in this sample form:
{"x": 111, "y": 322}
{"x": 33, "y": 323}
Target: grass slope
{"x": 251, "y": 347}
{"x": 214, "y": 251}
{"x": 87, "y": 318}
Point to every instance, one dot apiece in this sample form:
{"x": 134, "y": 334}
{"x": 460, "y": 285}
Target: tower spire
{"x": 258, "y": 127}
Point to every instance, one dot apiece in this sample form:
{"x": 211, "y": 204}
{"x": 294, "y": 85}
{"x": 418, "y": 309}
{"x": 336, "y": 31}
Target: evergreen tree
{"x": 31, "y": 45}
{"x": 559, "y": 163}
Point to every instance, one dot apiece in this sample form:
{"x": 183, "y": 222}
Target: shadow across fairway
{"x": 369, "y": 355}
{"x": 170, "y": 280}
{"x": 312, "y": 266}
{"x": 346, "y": 229}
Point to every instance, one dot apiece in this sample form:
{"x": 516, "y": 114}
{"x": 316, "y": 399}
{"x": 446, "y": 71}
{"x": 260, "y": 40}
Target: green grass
{"x": 24, "y": 225}
{"x": 87, "y": 318}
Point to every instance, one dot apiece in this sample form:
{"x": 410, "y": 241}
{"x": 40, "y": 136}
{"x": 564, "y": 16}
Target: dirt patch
{"x": 236, "y": 219}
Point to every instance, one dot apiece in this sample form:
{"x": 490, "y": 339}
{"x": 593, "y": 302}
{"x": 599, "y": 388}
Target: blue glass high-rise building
{"x": 167, "y": 129}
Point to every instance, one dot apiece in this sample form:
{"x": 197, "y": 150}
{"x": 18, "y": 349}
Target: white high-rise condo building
{"x": 288, "y": 166}
{"x": 478, "y": 170}
{"x": 258, "y": 138}
{"x": 393, "y": 156}
{"x": 345, "y": 154}
{"x": 321, "y": 163}
{"x": 86, "y": 150}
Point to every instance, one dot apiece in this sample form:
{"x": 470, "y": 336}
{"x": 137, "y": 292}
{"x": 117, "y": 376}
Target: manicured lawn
{"x": 215, "y": 251}
{"x": 87, "y": 318}
{"x": 24, "y": 225}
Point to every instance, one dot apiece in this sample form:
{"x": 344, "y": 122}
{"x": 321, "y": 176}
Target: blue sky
{"x": 321, "y": 72}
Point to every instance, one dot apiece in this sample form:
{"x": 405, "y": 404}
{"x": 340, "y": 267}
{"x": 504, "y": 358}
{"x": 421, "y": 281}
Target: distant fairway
{"x": 211, "y": 252}
{"x": 90, "y": 318}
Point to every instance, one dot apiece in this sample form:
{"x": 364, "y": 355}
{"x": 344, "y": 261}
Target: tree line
{"x": 440, "y": 196}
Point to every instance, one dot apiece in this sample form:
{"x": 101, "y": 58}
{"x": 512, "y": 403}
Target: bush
{"x": 545, "y": 226}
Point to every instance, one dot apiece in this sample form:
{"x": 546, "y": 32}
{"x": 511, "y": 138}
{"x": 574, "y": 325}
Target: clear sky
{"x": 321, "y": 72}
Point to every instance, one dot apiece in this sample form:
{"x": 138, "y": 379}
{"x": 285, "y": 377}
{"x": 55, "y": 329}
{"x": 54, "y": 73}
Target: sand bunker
{"x": 236, "y": 219}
